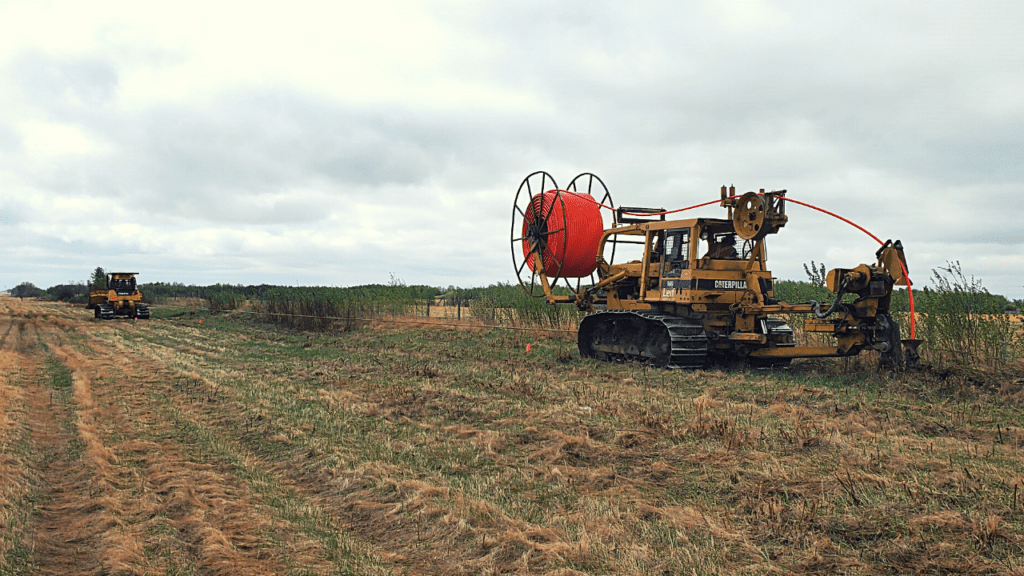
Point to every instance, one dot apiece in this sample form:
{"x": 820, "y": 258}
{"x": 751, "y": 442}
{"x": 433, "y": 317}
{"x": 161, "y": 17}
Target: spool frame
{"x": 538, "y": 231}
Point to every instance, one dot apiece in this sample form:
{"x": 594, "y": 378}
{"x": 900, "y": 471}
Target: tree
{"x": 26, "y": 290}
{"x": 816, "y": 274}
{"x": 98, "y": 280}
{"x": 70, "y": 292}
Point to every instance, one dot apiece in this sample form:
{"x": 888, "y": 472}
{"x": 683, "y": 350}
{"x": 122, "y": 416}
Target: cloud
{"x": 1008, "y": 239}
{"x": 337, "y": 143}
{"x": 64, "y": 83}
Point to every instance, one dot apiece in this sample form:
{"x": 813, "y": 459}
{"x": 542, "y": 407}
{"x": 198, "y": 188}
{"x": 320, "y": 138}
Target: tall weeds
{"x": 960, "y": 321}
{"x": 509, "y": 305}
{"x": 964, "y": 324}
{"x": 345, "y": 309}
{"x": 321, "y": 309}
{"x": 223, "y": 300}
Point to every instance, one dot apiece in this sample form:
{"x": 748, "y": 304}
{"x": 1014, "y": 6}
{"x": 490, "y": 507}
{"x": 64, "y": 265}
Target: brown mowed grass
{"x": 96, "y": 482}
{"x": 454, "y": 451}
{"x": 426, "y": 449}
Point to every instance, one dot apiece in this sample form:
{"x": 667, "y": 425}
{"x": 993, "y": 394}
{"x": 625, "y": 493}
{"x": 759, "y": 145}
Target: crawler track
{"x": 107, "y": 312}
{"x": 657, "y": 339}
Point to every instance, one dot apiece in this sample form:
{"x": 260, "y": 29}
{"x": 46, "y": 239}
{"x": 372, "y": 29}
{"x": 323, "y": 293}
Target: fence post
{"x": 428, "y": 308}
{"x": 459, "y": 310}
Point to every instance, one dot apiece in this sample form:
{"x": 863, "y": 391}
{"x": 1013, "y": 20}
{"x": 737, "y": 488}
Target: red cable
{"x": 834, "y": 215}
{"x": 906, "y": 274}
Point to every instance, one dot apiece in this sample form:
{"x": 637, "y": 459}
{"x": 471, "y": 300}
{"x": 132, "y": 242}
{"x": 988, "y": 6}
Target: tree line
{"x": 949, "y": 279}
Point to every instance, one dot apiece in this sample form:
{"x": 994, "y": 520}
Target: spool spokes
{"x": 534, "y": 222}
{"x": 588, "y": 183}
{"x": 540, "y": 232}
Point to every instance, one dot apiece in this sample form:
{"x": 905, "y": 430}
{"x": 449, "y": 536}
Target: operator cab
{"x": 677, "y": 252}
{"x": 121, "y": 285}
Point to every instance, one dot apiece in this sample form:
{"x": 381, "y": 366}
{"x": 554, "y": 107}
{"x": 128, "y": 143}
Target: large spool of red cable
{"x": 571, "y": 224}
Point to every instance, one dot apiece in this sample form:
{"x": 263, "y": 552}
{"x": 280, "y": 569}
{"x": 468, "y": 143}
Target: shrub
{"x": 509, "y": 305}
{"x": 965, "y": 324}
{"x": 324, "y": 308}
{"x": 223, "y": 300}
{"x": 26, "y": 290}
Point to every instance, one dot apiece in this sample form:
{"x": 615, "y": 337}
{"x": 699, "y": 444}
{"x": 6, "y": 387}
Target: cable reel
{"x": 543, "y": 219}
{"x": 606, "y": 201}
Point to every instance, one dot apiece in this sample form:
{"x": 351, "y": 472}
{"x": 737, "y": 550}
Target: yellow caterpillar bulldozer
{"x": 121, "y": 298}
{"x": 700, "y": 290}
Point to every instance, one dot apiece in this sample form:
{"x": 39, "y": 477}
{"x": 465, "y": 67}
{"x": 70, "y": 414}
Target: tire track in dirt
{"x": 68, "y": 521}
{"x": 74, "y": 526}
{"x": 423, "y": 524}
{"x": 106, "y": 502}
{"x": 170, "y": 513}
{"x": 7, "y": 331}
{"x": 353, "y": 510}
{"x": 15, "y": 479}
{"x": 11, "y": 365}
{"x": 49, "y": 474}
{"x": 176, "y": 416}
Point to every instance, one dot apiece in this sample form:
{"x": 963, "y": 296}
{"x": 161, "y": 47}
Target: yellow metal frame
{"x": 731, "y": 312}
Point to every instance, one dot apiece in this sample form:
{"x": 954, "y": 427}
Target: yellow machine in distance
{"x": 121, "y": 298}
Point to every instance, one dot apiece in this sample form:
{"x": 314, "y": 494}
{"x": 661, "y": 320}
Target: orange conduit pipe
{"x": 569, "y": 251}
{"x": 906, "y": 274}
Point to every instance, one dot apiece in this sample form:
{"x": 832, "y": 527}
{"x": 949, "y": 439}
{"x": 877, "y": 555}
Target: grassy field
{"x": 208, "y": 444}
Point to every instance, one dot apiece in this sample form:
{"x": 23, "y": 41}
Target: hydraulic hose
{"x": 833, "y": 307}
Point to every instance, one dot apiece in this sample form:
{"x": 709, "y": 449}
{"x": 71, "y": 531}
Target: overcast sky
{"x": 341, "y": 143}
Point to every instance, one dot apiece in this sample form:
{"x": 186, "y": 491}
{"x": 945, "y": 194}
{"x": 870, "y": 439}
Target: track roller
{"x": 656, "y": 339}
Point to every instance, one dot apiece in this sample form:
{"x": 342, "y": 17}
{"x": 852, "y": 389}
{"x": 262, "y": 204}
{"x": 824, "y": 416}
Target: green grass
{"x": 209, "y": 444}
{"x": 15, "y": 554}
{"x": 60, "y": 381}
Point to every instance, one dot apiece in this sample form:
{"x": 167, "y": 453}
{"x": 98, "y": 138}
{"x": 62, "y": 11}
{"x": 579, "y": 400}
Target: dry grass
{"x": 184, "y": 303}
{"x": 450, "y": 312}
{"x": 429, "y": 450}
{"x": 95, "y": 499}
